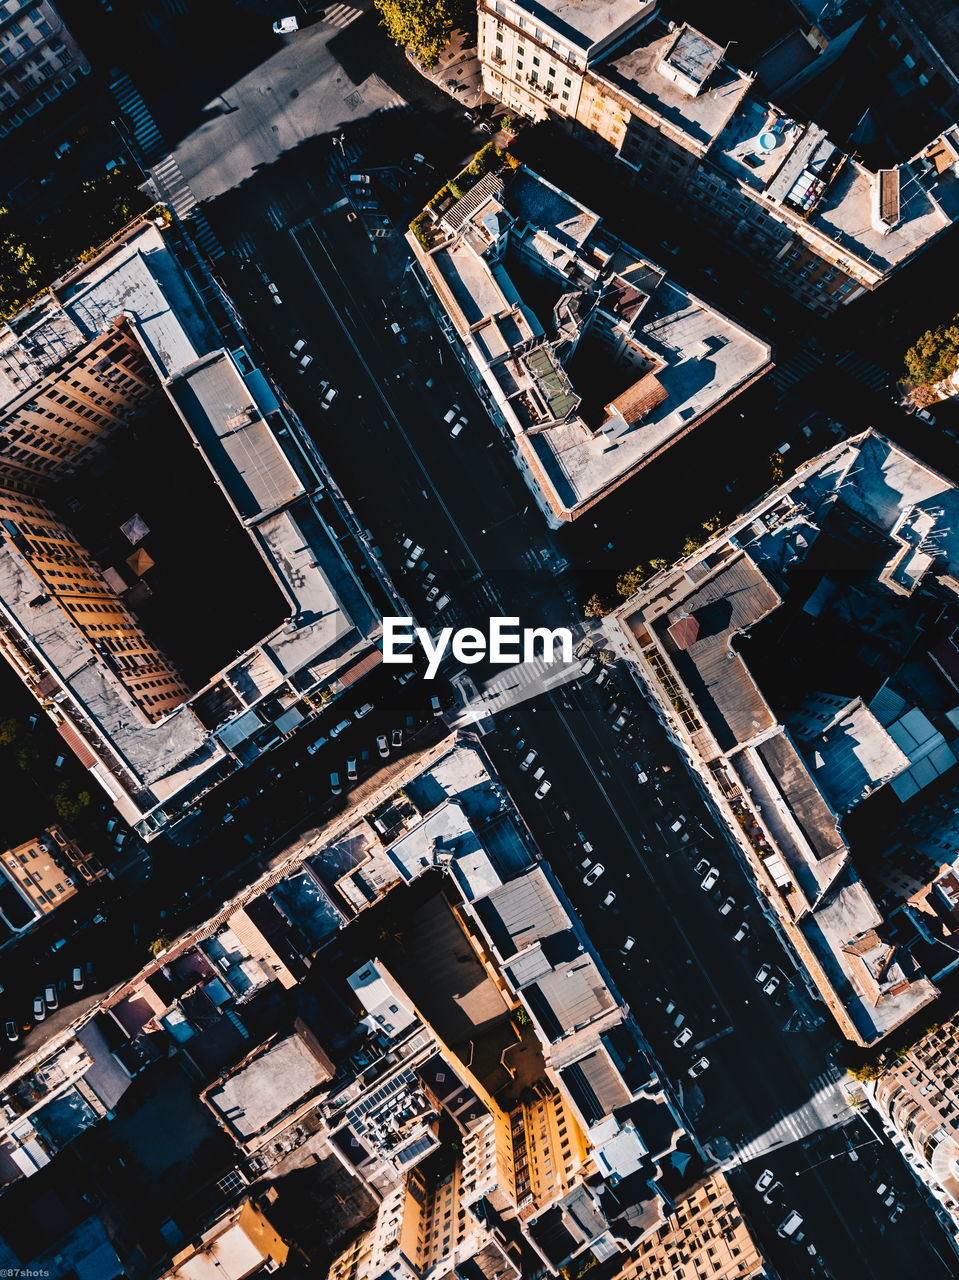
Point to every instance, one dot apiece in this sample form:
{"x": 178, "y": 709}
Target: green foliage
{"x": 70, "y": 806}
{"x": 690, "y": 545}
{"x": 868, "y": 1071}
{"x": 456, "y": 191}
{"x": 438, "y": 199}
{"x": 9, "y": 731}
{"x": 628, "y": 583}
{"x": 159, "y": 944}
{"x": 522, "y": 1017}
{"x": 31, "y": 258}
{"x": 488, "y": 157}
{"x": 424, "y": 26}
{"x": 418, "y": 227}
{"x": 933, "y": 356}
{"x": 596, "y": 607}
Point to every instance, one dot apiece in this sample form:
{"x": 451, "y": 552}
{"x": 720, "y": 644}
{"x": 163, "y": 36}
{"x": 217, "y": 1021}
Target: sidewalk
{"x": 457, "y": 73}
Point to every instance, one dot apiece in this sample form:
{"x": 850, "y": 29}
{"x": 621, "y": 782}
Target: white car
{"x": 712, "y": 875}
{"x": 274, "y": 293}
{"x": 740, "y": 934}
{"x": 305, "y": 362}
{"x": 528, "y": 761}
{"x": 684, "y": 1037}
{"x": 457, "y": 428}
{"x": 297, "y": 348}
{"x": 702, "y": 867}
{"x": 698, "y": 1068}
{"x": 542, "y": 789}
{"x": 329, "y": 395}
{"x": 414, "y": 556}
{"x": 727, "y": 906}
{"x": 383, "y": 745}
{"x": 593, "y": 874}
{"x": 765, "y": 1179}
{"x": 771, "y": 987}
{"x": 764, "y": 974}
{"x": 285, "y": 26}
{"x": 627, "y": 946}
{"x": 450, "y": 414}
{"x": 609, "y": 899}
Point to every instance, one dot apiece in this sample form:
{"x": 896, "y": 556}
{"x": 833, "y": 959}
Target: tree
{"x": 628, "y": 583}
{"x": 933, "y": 357}
{"x": 69, "y": 807}
{"x": 159, "y": 944}
{"x": 424, "y": 26}
{"x": 596, "y": 607}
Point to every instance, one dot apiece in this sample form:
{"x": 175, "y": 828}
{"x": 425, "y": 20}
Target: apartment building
{"x": 123, "y": 364}
{"x": 862, "y": 730}
{"x": 43, "y": 875}
{"x": 243, "y": 1243}
{"x": 665, "y": 102}
{"x": 705, "y": 1238}
{"x": 39, "y": 60}
{"x": 590, "y": 358}
{"x": 917, "y": 1096}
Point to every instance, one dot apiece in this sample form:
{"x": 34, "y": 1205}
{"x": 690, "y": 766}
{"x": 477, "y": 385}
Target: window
{"x": 521, "y": 51}
{"x": 499, "y": 37}
{"x": 568, "y": 83}
{"x": 535, "y": 61}
{"x": 565, "y": 96}
{"x": 519, "y": 65}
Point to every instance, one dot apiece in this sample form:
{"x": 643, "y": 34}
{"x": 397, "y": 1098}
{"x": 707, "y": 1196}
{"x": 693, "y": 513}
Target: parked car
{"x": 926, "y": 416}
{"x": 528, "y": 761}
{"x": 897, "y": 1213}
{"x": 285, "y": 26}
{"x": 305, "y": 362}
{"x": 340, "y": 728}
{"x": 542, "y": 789}
{"x": 436, "y": 706}
{"x": 50, "y": 996}
{"x": 764, "y": 974}
{"x": 627, "y": 946}
{"x": 404, "y": 678}
{"x": 457, "y": 428}
{"x": 414, "y": 556}
{"x": 727, "y": 906}
{"x": 740, "y": 934}
{"x": 382, "y": 745}
{"x": 365, "y": 710}
{"x": 450, "y": 414}
{"x": 698, "y": 1067}
{"x": 619, "y": 722}
{"x": 328, "y": 396}
{"x": 314, "y": 747}
{"x": 702, "y": 867}
{"x": 335, "y": 786}
{"x": 396, "y": 738}
{"x": 587, "y": 847}
{"x": 790, "y": 1225}
{"x": 774, "y": 1192}
{"x": 274, "y": 293}
{"x": 712, "y": 876}
{"x": 684, "y": 1037}
{"x": 593, "y": 874}
{"x": 772, "y": 986}
{"x": 765, "y": 1179}
{"x": 39, "y": 1009}
{"x": 77, "y": 978}
{"x": 297, "y": 348}
{"x": 351, "y": 773}
{"x": 609, "y": 899}
{"x": 10, "y": 1031}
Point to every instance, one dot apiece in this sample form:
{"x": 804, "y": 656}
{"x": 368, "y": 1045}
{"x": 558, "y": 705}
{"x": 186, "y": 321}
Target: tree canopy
{"x": 933, "y": 357}
{"x": 424, "y": 26}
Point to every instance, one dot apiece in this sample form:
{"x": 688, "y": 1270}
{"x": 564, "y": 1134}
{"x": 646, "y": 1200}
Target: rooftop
{"x": 638, "y": 69}
{"x": 585, "y": 23}
{"x": 263, "y": 1089}
{"x": 701, "y": 358}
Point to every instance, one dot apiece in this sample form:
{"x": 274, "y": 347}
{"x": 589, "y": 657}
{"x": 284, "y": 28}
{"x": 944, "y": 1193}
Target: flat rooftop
{"x": 585, "y": 22}
{"x": 634, "y": 68}
{"x": 256, "y": 1095}
{"x": 701, "y": 357}
{"x": 236, "y": 442}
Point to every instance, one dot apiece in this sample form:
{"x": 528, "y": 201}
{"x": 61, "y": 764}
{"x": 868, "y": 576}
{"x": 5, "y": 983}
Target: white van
{"x": 790, "y": 1226}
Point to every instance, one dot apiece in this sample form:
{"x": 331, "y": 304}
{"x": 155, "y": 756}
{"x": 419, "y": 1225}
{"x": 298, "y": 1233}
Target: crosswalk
{"x": 341, "y": 15}
{"x": 166, "y": 175}
{"x": 863, "y": 370}
{"x": 796, "y": 1126}
{"x": 141, "y": 123}
{"x": 800, "y": 366}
